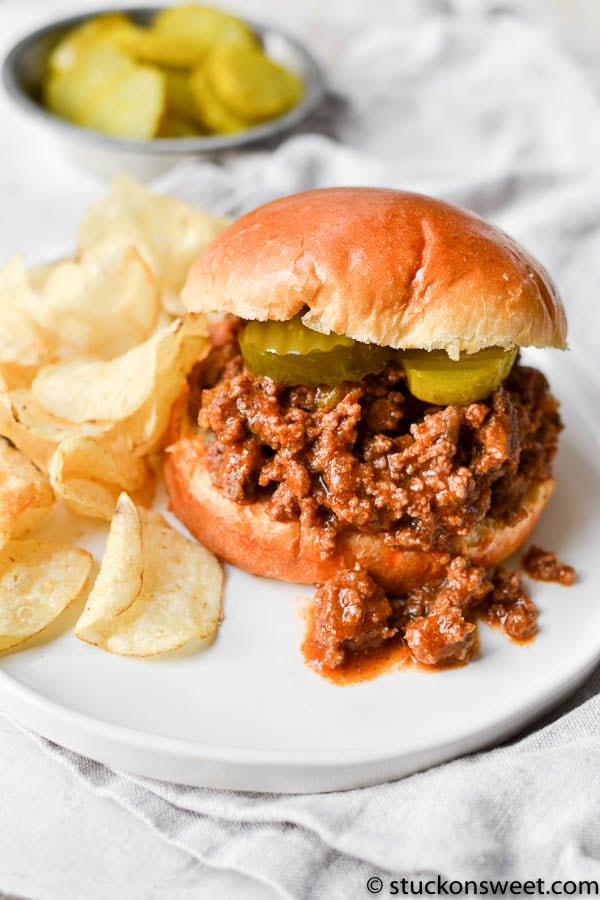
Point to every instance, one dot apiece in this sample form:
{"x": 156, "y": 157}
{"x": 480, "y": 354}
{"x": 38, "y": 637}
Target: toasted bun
{"x": 380, "y": 266}
{"x": 244, "y": 534}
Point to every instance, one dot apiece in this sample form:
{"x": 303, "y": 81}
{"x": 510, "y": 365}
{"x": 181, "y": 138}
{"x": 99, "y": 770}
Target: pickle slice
{"x": 79, "y": 41}
{"x": 150, "y": 46}
{"x": 251, "y": 85}
{"x": 435, "y": 378}
{"x": 201, "y": 27}
{"x": 290, "y": 353}
{"x": 209, "y": 111}
{"x": 107, "y": 91}
{"x": 179, "y": 101}
{"x": 171, "y": 126}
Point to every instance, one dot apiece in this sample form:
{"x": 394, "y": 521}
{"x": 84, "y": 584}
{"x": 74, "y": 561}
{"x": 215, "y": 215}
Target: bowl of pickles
{"x": 140, "y": 88}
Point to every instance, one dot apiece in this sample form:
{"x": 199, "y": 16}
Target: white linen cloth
{"x": 489, "y": 112}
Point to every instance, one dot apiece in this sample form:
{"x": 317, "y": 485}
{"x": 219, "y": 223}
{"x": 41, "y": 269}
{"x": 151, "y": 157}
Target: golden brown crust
{"x": 382, "y": 266}
{"x": 244, "y": 534}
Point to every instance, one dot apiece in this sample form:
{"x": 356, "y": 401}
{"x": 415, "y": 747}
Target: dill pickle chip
{"x": 179, "y": 102}
{"x": 251, "y": 85}
{"x": 290, "y": 353}
{"x": 79, "y": 41}
{"x": 107, "y": 91}
{"x": 201, "y": 27}
{"x": 172, "y": 126}
{"x": 70, "y": 92}
{"x": 150, "y": 46}
{"x": 131, "y": 106}
{"x": 435, "y": 378}
{"x": 210, "y": 112}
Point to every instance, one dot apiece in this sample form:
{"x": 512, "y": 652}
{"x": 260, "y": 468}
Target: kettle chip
{"x": 38, "y": 581}
{"x": 156, "y": 589}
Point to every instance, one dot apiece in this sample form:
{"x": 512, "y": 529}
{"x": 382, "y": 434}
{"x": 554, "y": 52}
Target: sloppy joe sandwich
{"x": 362, "y": 420}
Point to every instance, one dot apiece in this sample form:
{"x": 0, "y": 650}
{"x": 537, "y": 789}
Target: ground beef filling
{"x": 368, "y": 455}
{"x": 509, "y": 606}
{"x": 351, "y": 614}
{"x": 436, "y": 622}
{"x": 543, "y": 565}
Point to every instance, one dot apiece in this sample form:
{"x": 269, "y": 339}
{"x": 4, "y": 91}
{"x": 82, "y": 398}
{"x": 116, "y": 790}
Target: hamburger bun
{"x": 380, "y": 266}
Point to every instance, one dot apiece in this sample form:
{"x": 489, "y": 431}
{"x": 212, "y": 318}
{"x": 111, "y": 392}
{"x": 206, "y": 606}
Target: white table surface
{"x": 57, "y": 838}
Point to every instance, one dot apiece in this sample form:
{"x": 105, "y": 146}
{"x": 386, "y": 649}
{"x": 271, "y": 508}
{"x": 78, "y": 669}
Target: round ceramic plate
{"x": 246, "y": 713}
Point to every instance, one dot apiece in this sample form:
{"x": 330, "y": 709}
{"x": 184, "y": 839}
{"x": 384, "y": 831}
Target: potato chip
{"x": 15, "y": 286}
{"x": 136, "y": 390}
{"x": 119, "y": 581}
{"x": 179, "y": 597}
{"x": 24, "y": 344}
{"x": 25, "y": 493}
{"x": 39, "y": 275}
{"x": 89, "y": 475}
{"x": 35, "y": 431}
{"x": 102, "y": 304}
{"x": 89, "y": 463}
{"x": 38, "y": 581}
{"x": 166, "y": 232}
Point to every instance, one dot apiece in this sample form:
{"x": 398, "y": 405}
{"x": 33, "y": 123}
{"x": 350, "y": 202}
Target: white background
{"x": 57, "y": 839}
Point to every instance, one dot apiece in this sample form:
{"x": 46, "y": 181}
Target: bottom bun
{"x": 243, "y": 533}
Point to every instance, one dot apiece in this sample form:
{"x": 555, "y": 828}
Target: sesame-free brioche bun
{"x": 243, "y": 533}
{"x": 380, "y": 266}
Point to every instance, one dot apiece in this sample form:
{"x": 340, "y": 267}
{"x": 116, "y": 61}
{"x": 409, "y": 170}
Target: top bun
{"x": 380, "y": 266}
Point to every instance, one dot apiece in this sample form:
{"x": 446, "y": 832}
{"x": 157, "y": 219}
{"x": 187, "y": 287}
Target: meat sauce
{"x": 354, "y": 632}
{"x": 389, "y": 656}
{"x": 543, "y": 565}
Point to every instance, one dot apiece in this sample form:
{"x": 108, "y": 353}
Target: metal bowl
{"x": 23, "y": 71}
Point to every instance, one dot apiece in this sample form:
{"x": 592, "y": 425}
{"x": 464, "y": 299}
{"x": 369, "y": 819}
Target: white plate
{"x": 247, "y": 714}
